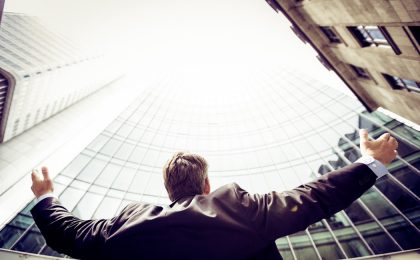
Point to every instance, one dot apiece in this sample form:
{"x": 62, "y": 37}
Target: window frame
{"x": 360, "y": 72}
{"x": 365, "y": 37}
{"x": 331, "y": 34}
{"x": 412, "y": 37}
{"x": 400, "y": 83}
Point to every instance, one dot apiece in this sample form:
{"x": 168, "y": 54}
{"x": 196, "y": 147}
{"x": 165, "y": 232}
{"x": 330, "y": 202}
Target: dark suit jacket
{"x": 229, "y": 223}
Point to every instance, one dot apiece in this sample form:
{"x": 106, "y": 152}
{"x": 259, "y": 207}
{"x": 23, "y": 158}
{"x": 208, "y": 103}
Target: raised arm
{"x": 278, "y": 214}
{"x": 62, "y": 231}
{"x": 65, "y": 233}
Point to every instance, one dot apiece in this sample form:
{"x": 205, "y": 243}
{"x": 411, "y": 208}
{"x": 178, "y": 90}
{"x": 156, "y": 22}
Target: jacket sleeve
{"x": 65, "y": 233}
{"x": 275, "y": 214}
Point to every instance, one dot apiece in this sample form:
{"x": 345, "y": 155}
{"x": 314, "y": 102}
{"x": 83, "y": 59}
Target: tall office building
{"x": 42, "y": 73}
{"x": 374, "y": 46}
{"x": 265, "y": 131}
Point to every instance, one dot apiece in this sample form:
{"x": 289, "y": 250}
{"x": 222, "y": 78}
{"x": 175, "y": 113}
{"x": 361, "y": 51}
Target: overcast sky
{"x": 180, "y": 33}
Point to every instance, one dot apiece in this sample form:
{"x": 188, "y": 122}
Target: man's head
{"x": 186, "y": 174}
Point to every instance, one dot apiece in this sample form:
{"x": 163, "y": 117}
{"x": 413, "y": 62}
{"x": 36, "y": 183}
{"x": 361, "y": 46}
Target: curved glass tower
{"x": 265, "y": 131}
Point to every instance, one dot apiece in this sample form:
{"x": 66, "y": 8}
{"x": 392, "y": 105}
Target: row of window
{"x": 394, "y": 81}
{"x": 24, "y": 40}
{"x": 376, "y": 36}
{"x": 371, "y": 35}
{"x": 4, "y": 87}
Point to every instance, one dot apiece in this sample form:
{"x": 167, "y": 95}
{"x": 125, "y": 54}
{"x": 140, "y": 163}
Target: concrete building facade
{"x": 373, "y": 45}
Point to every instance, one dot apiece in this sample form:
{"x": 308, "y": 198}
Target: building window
{"x": 400, "y": 83}
{"x": 415, "y": 31}
{"x": 360, "y": 72}
{"x": 331, "y": 35}
{"x": 368, "y": 35}
{"x": 373, "y": 36}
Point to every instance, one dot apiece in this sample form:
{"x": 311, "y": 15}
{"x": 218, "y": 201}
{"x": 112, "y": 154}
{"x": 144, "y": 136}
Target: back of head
{"x": 185, "y": 174}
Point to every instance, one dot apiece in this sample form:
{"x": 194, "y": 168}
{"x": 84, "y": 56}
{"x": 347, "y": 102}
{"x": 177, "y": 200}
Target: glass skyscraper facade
{"x": 265, "y": 131}
{"x": 42, "y": 73}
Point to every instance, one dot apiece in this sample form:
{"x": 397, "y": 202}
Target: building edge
{"x": 368, "y": 103}
{"x": 10, "y": 84}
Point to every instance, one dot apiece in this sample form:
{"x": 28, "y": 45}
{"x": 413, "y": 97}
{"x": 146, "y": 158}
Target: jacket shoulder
{"x": 228, "y": 191}
{"x": 133, "y": 208}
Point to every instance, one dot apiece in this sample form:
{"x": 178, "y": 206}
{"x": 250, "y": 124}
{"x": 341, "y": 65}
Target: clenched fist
{"x": 383, "y": 149}
{"x": 41, "y": 184}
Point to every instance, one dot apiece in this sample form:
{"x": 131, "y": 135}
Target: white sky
{"x": 181, "y": 34}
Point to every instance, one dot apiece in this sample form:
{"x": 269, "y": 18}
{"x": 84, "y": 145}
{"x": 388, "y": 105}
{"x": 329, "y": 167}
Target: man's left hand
{"x": 41, "y": 184}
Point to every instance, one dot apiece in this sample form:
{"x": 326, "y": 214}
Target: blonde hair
{"x": 185, "y": 174}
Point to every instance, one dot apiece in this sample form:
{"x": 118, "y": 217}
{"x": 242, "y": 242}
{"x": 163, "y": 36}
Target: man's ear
{"x": 206, "y": 186}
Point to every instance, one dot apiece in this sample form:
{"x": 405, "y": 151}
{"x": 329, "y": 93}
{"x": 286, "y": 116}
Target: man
{"x": 228, "y": 223}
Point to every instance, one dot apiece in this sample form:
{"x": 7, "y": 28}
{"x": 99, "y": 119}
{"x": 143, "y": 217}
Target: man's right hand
{"x": 41, "y": 184}
{"x": 382, "y": 149}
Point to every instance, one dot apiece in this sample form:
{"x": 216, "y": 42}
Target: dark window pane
{"x": 406, "y": 176}
{"x": 392, "y": 81}
{"x": 22, "y": 221}
{"x": 328, "y": 31}
{"x": 370, "y": 230}
{"x": 9, "y": 235}
{"x": 415, "y": 30}
{"x": 324, "y": 241}
{"x": 32, "y": 242}
{"x": 401, "y": 199}
{"x": 391, "y": 220}
{"x": 368, "y": 35}
{"x": 409, "y": 133}
{"x": 353, "y": 246}
{"x": 352, "y": 154}
{"x": 302, "y": 246}
{"x": 347, "y": 236}
{"x": 360, "y": 72}
{"x": 400, "y": 83}
{"x": 16, "y": 227}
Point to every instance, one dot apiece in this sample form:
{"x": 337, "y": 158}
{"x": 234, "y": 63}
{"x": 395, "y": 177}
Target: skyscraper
{"x": 42, "y": 73}
{"x": 263, "y": 130}
{"x": 374, "y": 46}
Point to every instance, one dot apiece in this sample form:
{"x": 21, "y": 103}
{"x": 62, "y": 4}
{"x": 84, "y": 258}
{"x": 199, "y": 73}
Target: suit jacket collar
{"x": 182, "y": 199}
